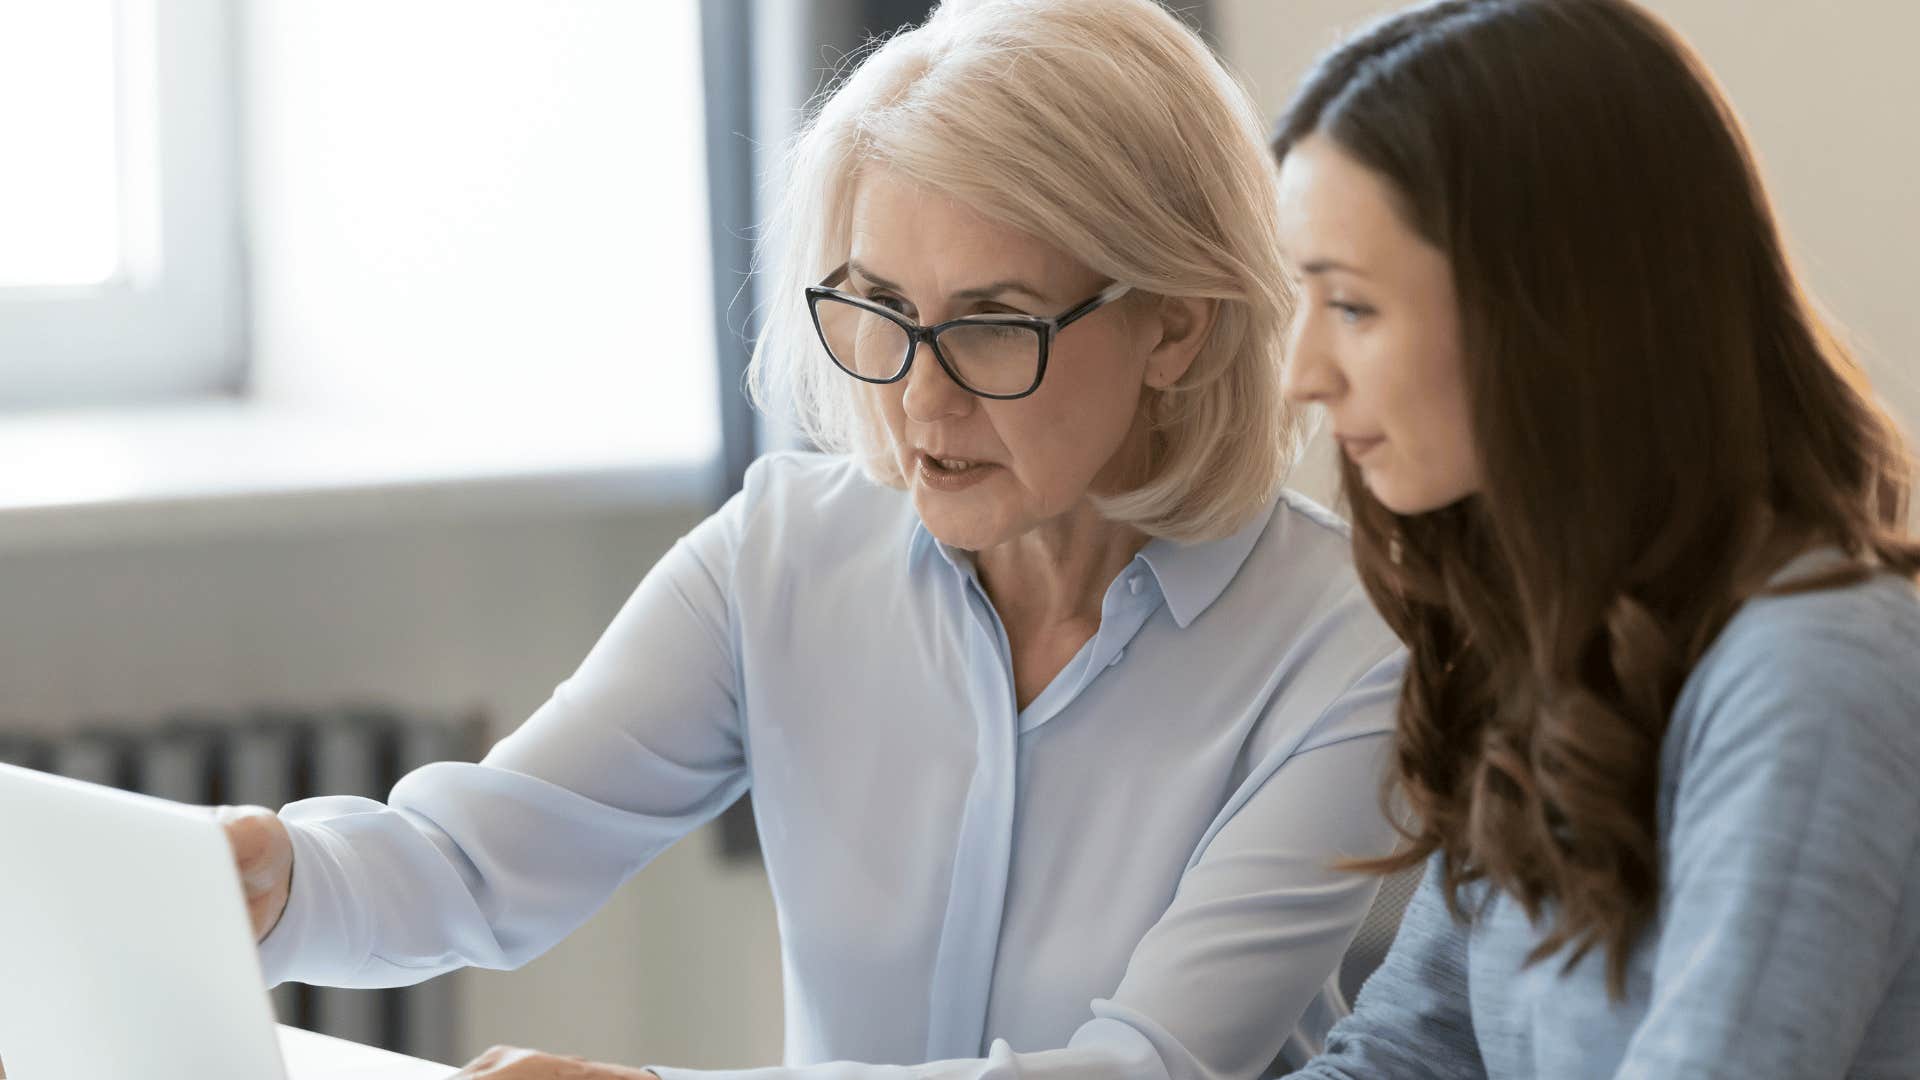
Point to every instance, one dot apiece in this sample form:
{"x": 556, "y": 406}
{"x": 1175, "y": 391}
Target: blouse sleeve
{"x": 491, "y": 864}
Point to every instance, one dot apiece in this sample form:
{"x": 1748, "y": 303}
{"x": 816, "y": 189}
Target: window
{"x": 59, "y": 198}
{"x": 495, "y": 231}
{"x": 476, "y": 249}
{"x": 120, "y": 275}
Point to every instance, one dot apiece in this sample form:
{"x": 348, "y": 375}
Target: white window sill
{"x": 226, "y": 467}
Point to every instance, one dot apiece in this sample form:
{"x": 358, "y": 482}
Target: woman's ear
{"x": 1182, "y": 324}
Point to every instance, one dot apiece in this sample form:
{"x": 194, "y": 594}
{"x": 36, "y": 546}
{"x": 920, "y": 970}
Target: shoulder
{"x": 800, "y": 508}
{"x": 786, "y": 477}
{"x": 801, "y": 496}
{"x": 1832, "y": 644}
{"x": 1310, "y": 515}
{"x": 1300, "y": 540}
{"x": 1300, "y": 571}
{"x": 1300, "y": 601}
{"x": 1827, "y": 673}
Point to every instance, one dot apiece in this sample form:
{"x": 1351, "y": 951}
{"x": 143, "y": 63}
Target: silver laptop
{"x": 125, "y": 946}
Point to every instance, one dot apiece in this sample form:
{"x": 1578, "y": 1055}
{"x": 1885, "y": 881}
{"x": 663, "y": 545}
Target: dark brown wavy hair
{"x": 1661, "y": 414}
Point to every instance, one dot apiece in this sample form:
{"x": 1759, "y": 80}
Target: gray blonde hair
{"x": 1107, "y": 129}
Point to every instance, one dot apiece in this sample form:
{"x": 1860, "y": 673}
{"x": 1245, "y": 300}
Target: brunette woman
{"x": 1635, "y": 511}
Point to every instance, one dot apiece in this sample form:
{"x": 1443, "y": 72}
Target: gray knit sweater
{"x": 1788, "y": 939}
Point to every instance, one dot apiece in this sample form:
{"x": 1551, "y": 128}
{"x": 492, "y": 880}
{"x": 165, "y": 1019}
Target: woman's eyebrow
{"x": 988, "y": 292}
{"x": 854, "y": 266}
{"x": 1330, "y": 266}
{"x": 981, "y": 292}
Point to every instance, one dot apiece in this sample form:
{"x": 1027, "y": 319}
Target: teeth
{"x": 955, "y": 464}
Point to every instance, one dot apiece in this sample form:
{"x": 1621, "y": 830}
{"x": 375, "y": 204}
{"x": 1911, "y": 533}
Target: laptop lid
{"x": 125, "y": 947}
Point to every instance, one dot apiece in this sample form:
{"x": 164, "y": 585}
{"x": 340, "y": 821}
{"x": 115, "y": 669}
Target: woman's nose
{"x": 931, "y": 394}
{"x": 1310, "y": 376}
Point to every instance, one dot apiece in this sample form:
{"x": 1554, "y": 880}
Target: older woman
{"x": 1055, "y": 711}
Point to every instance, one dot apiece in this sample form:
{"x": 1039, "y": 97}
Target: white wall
{"x": 1828, "y": 92}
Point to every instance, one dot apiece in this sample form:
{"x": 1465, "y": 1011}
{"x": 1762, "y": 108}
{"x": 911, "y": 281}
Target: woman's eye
{"x": 891, "y": 303}
{"x": 1349, "y": 313}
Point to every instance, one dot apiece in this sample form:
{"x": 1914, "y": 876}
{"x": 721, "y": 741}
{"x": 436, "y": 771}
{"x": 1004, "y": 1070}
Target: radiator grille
{"x": 269, "y": 758}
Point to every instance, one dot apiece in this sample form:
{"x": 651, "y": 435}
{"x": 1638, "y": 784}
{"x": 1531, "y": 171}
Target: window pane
{"x": 59, "y": 191}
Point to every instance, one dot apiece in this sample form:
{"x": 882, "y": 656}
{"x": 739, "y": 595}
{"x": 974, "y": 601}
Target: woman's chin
{"x": 1412, "y": 500}
{"x": 958, "y": 526}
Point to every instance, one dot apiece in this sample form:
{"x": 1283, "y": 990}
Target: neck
{"x": 1058, "y": 572}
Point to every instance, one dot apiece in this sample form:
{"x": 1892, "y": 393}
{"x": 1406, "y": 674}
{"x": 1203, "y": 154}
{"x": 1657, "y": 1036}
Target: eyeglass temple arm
{"x": 1106, "y": 296}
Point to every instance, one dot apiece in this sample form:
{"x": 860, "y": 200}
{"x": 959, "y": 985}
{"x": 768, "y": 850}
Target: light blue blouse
{"x": 1128, "y": 878}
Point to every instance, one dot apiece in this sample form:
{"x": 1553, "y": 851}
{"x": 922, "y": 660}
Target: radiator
{"x": 269, "y": 758}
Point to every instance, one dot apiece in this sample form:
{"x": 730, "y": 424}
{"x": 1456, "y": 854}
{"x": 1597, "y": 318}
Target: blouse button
{"x": 1134, "y": 585}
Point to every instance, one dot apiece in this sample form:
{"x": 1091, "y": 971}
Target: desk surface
{"x": 321, "y": 1057}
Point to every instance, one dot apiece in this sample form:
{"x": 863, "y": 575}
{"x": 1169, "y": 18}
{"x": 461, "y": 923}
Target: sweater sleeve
{"x": 1412, "y": 1018}
{"x": 1790, "y": 843}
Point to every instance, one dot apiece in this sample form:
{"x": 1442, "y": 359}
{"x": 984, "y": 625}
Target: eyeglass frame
{"x": 1044, "y": 327}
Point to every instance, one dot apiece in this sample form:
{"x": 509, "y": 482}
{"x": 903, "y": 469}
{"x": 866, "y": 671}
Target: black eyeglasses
{"x": 995, "y": 356}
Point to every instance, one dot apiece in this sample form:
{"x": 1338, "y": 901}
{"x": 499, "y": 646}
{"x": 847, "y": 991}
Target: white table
{"x": 322, "y": 1057}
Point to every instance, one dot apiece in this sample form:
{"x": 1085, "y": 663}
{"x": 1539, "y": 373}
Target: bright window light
{"x": 59, "y": 125}
{"x": 120, "y": 247}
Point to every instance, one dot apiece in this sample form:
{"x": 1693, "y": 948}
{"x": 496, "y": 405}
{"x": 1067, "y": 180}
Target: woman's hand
{"x": 514, "y": 1063}
{"x": 263, "y": 856}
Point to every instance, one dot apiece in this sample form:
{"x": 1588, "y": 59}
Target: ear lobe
{"x": 1185, "y": 323}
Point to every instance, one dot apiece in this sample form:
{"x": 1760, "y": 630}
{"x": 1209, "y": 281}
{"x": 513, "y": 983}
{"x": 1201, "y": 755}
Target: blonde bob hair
{"x": 1106, "y": 129}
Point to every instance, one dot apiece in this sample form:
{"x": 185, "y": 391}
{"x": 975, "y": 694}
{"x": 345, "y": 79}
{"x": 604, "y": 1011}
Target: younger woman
{"x": 1634, "y": 510}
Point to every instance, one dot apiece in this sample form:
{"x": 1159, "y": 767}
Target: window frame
{"x": 172, "y": 324}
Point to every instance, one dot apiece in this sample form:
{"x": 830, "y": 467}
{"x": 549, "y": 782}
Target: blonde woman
{"x": 1055, "y": 709}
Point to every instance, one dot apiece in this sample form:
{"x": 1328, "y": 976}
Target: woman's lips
{"x": 950, "y": 474}
{"x": 1357, "y": 447}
